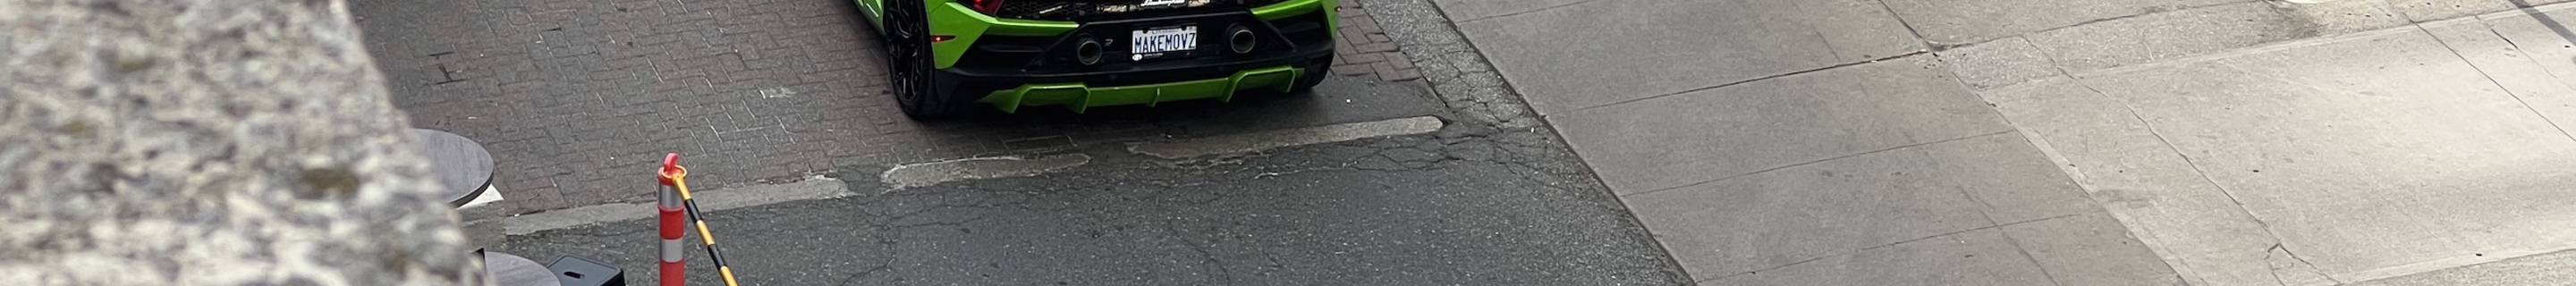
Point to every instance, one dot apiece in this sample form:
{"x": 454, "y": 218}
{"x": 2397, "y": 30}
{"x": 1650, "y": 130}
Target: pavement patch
{"x": 1257, "y": 141}
{"x": 708, "y": 201}
{"x": 933, "y": 173}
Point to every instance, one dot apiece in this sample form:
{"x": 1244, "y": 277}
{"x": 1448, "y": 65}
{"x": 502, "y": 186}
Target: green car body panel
{"x": 952, "y": 18}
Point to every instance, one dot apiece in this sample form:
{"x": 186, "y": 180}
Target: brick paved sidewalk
{"x": 577, "y": 99}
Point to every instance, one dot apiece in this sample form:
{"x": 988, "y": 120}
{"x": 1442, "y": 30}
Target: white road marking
{"x": 708, "y": 201}
{"x": 1250, "y": 142}
{"x": 777, "y": 92}
{"x": 933, "y": 173}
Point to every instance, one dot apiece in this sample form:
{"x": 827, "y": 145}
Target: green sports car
{"x": 944, "y": 57}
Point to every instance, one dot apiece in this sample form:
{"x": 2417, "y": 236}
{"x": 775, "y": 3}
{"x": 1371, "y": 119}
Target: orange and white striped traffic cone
{"x": 675, "y": 179}
{"x": 674, "y": 223}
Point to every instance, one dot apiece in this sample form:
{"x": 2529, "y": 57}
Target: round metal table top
{"x": 511, "y": 270}
{"x": 462, "y": 165}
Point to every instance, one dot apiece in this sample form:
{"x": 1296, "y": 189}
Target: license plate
{"x": 1149, "y": 43}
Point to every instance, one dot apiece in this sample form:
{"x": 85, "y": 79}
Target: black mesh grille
{"x": 1066, "y": 10}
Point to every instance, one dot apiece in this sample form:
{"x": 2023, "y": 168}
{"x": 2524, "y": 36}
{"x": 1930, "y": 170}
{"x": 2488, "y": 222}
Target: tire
{"x": 1313, "y": 76}
{"x": 909, "y": 63}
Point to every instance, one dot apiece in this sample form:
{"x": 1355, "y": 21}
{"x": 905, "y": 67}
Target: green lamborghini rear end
{"x": 945, "y": 57}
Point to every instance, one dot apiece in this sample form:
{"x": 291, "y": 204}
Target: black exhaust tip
{"x": 1088, "y": 51}
{"x": 1240, "y": 39}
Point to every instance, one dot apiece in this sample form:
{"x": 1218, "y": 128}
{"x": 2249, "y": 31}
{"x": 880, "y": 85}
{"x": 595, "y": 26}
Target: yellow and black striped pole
{"x": 676, "y": 178}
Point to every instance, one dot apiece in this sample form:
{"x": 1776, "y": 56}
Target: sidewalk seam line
{"x": 2517, "y": 48}
{"x": 2051, "y": 56}
{"x": 1724, "y": 85}
{"x": 2482, "y": 72}
{"x": 1989, "y": 215}
{"x": 2046, "y": 154}
{"x": 2195, "y": 166}
{"x": 1820, "y": 33}
{"x": 2123, "y": 17}
{"x": 2026, "y": 256}
{"x": 1909, "y": 26}
{"x": 1542, "y": 9}
{"x": 1731, "y": 177}
{"x": 2073, "y": 175}
{"x": 1546, "y": 121}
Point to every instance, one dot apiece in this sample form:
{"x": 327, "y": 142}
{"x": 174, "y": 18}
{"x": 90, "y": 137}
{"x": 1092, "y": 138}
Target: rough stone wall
{"x": 208, "y": 143}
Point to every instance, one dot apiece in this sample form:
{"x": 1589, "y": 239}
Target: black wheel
{"x": 909, "y": 63}
{"x": 1316, "y": 70}
{"x": 1314, "y": 76}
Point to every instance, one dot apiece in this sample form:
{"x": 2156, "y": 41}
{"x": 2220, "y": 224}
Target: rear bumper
{"x": 1080, "y": 91}
{"x": 973, "y": 29}
{"x": 1010, "y": 71}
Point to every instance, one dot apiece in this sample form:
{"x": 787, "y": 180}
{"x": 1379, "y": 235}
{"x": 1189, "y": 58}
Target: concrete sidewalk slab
{"x": 2364, "y": 156}
{"x": 2363, "y": 169}
{"x": 2091, "y": 249}
{"x": 2160, "y": 36}
{"x": 2525, "y": 55}
{"x": 1609, "y": 51}
{"x": 2543, "y": 269}
{"x": 1471, "y": 10}
{"x": 2126, "y": 167}
{"x": 1782, "y": 217}
{"x": 1706, "y": 135}
{"x": 2343, "y": 16}
{"x": 1953, "y": 22}
{"x": 2352, "y": 152}
{"x": 1999, "y": 63}
{"x": 2431, "y": 10}
{"x": 1981, "y": 257}
{"x": 1860, "y": 204}
{"x": 1973, "y": 21}
{"x": 2156, "y": 32}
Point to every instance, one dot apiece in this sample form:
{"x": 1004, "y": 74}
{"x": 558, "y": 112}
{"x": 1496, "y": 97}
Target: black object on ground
{"x": 577, "y": 271}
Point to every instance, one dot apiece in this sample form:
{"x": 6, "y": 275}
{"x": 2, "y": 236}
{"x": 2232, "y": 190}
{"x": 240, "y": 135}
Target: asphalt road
{"x": 577, "y": 99}
{"x": 1896, "y": 142}
{"x": 1467, "y": 205}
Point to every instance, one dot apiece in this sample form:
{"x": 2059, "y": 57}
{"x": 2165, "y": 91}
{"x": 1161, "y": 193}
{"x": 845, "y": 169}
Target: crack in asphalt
{"x": 1175, "y": 232}
{"x": 889, "y": 265}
